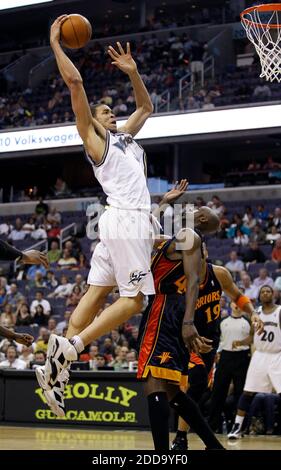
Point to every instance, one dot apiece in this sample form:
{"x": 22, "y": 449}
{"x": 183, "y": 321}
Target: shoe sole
{"x": 57, "y": 410}
{"x": 40, "y": 376}
{"x": 52, "y": 348}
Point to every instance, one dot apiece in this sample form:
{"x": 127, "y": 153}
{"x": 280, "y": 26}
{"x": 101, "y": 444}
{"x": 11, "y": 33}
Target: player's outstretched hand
{"x": 24, "y": 338}
{"x": 55, "y": 29}
{"x": 176, "y": 192}
{"x": 257, "y": 323}
{"x": 35, "y": 257}
{"x": 123, "y": 60}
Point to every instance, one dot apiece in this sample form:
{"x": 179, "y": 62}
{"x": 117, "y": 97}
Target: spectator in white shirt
{"x": 29, "y": 226}
{"x": 17, "y": 233}
{"x": 240, "y": 238}
{"x": 40, "y": 233}
{"x": 235, "y": 265}
{"x": 273, "y": 235}
{"x": 40, "y": 301}
{"x": 249, "y": 289}
{"x": 263, "y": 279}
{"x": 216, "y": 205}
{"x": 26, "y": 354}
{"x": 5, "y": 228}
{"x": 249, "y": 220}
{"x": 64, "y": 289}
{"x": 63, "y": 324}
{"x": 12, "y": 361}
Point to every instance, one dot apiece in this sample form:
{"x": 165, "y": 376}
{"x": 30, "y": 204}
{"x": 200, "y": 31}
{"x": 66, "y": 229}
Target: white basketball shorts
{"x": 123, "y": 256}
{"x": 264, "y": 373}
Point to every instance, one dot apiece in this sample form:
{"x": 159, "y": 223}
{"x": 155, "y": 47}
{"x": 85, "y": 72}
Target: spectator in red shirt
{"x": 55, "y": 231}
{"x": 276, "y": 252}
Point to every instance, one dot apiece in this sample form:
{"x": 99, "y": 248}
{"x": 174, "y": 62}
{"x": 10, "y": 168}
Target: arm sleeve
{"x": 8, "y": 252}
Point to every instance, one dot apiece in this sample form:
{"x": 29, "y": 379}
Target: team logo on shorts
{"x": 164, "y": 357}
{"x": 136, "y": 277}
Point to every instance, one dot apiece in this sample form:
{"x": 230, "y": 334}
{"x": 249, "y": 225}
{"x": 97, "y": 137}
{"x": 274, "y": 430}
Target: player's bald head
{"x": 206, "y": 220}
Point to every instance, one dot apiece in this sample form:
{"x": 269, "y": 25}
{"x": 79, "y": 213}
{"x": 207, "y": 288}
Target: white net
{"x": 264, "y": 31}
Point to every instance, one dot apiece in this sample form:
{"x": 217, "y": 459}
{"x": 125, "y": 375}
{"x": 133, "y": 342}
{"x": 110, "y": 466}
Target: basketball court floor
{"x": 25, "y": 438}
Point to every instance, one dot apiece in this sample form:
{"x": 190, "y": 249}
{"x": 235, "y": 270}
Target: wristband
{"x": 242, "y": 301}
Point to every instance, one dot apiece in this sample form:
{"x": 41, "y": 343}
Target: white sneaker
{"x": 54, "y": 396}
{"x": 59, "y": 355}
{"x": 235, "y": 432}
{"x": 40, "y": 376}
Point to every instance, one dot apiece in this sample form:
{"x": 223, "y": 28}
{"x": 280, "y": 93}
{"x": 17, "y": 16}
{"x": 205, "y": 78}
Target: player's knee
{"x": 77, "y": 322}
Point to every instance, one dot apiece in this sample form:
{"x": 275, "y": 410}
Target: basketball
{"x": 76, "y": 31}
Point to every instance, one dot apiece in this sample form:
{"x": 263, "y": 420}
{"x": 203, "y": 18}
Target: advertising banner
{"x": 94, "y": 399}
{"x": 185, "y": 124}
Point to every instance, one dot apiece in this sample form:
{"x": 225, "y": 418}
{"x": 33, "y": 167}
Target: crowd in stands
{"x": 162, "y": 64}
{"x": 168, "y": 15}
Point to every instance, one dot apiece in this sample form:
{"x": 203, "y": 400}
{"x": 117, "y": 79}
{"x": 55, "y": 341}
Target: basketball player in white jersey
{"x": 123, "y": 256}
{"x": 264, "y": 372}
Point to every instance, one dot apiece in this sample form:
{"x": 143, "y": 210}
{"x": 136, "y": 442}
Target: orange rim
{"x": 268, "y": 7}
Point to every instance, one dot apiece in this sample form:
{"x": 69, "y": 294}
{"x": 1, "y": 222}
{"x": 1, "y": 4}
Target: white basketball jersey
{"x": 122, "y": 172}
{"x": 270, "y": 339}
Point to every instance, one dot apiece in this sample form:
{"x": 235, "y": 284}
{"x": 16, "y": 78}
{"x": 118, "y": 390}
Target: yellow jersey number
{"x": 214, "y": 314}
{"x": 181, "y": 284}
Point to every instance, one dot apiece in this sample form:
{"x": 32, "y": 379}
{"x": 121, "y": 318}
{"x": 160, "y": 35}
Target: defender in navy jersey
{"x": 163, "y": 355}
{"x": 168, "y": 333}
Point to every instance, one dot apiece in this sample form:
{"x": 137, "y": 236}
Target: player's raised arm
{"x": 92, "y": 134}
{"x": 170, "y": 197}
{"x": 124, "y": 61}
{"x": 242, "y": 301}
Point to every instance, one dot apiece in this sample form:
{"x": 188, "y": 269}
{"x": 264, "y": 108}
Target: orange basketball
{"x": 76, "y": 31}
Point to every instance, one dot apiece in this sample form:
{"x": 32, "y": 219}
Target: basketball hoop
{"x": 262, "y": 24}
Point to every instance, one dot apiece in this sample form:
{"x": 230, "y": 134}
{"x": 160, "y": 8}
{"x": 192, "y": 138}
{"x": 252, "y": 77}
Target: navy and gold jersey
{"x": 207, "y": 310}
{"x": 168, "y": 274}
{"x": 162, "y": 350}
{"x": 169, "y": 278}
